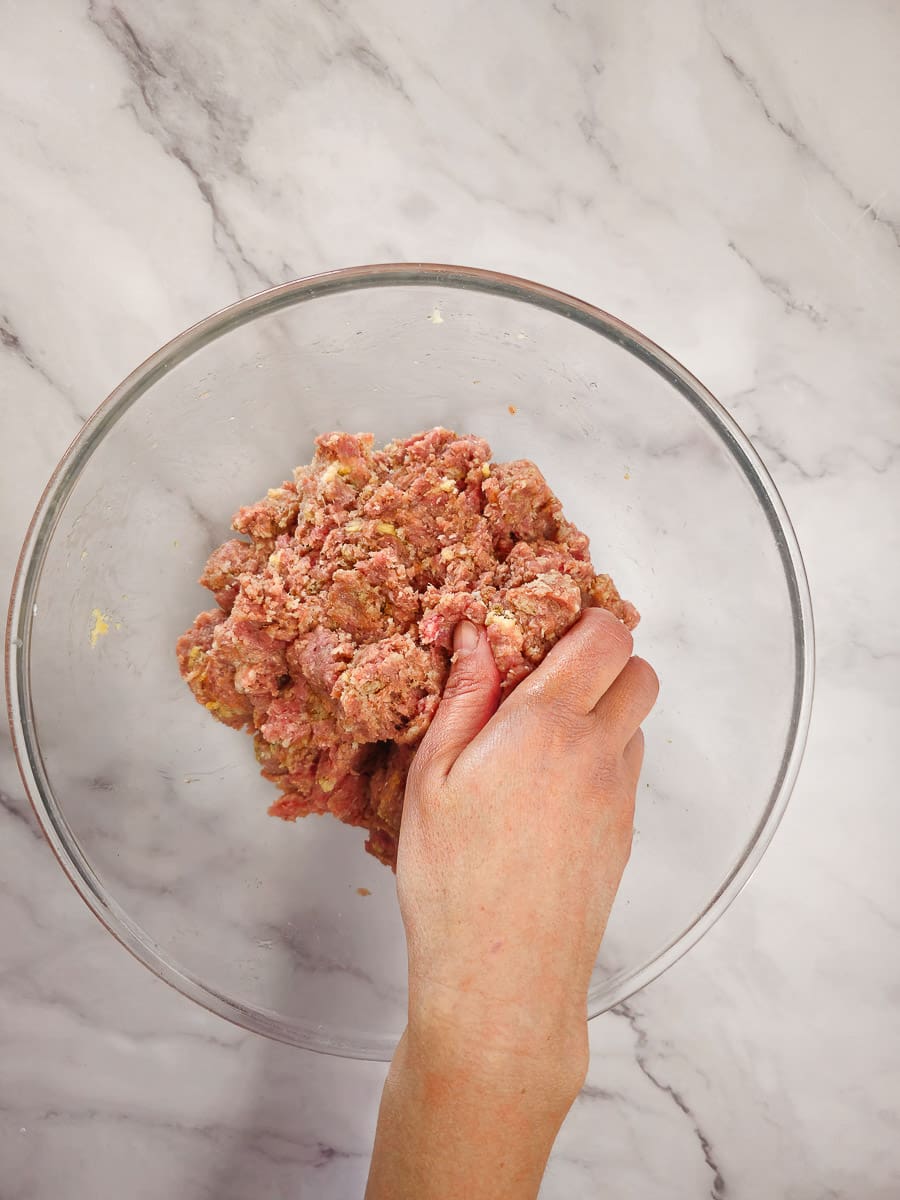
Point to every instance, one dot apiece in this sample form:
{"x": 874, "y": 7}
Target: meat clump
{"x": 335, "y": 607}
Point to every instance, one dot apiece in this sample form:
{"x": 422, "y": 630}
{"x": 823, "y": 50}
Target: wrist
{"x": 458, "y": 1122}
{"x": 503, "y": 1050}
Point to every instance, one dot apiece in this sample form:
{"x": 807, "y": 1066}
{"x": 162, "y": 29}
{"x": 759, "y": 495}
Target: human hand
{"x": 517, "y": 827}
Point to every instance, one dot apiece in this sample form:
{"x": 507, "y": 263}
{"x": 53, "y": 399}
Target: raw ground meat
{"x": 335, "y": 611}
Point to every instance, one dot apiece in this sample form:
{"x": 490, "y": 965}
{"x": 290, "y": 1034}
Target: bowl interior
{"x": 160, "y": 812}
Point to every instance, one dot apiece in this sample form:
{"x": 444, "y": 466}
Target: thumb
{"x": 470, "y": 699}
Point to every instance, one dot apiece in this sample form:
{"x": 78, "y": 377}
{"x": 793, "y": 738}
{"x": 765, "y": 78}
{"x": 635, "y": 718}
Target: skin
{"x": 517, "y": 826}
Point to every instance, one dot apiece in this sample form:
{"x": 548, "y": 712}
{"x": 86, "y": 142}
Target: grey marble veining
{"x": 721, "y": 176}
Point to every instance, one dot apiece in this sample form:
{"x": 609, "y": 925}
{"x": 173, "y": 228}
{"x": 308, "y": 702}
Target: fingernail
{"x": 465, "y": 637}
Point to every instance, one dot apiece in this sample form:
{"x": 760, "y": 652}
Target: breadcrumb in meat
{"x": 336, "y": 608}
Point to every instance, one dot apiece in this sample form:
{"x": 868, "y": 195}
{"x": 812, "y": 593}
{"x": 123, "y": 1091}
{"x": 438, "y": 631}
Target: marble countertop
{"x": 724, "y": 177}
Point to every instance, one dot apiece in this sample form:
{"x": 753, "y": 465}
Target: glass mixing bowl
{"x": 157, "y": 813}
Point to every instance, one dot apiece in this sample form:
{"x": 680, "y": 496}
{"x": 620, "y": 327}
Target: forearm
{"x": 456, "y": 1123}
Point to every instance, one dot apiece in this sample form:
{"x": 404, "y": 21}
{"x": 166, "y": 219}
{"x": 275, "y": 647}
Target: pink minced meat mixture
{"x": 336, "y": 607}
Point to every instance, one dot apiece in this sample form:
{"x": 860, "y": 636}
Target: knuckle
{"x": 570, "y": 727}
{"x": 562, "y": 686}
{"x": 634, "y": 748}
{"x": 461, "y": 685}
{"x": 611, "y": 780}
{"x": 607, "y": 779}
{"x": 622, "y": 638}
{"x": 609, "y": 633}
{"x": 647, "y": 677}
{"x": 560, "y": 723}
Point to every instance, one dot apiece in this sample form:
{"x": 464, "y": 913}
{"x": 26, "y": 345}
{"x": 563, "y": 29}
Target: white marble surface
{"x": 725, "y": 177}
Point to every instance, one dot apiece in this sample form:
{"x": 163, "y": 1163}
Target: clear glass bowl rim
{"x": 43, "y": 523}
